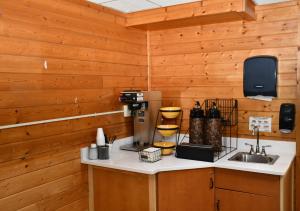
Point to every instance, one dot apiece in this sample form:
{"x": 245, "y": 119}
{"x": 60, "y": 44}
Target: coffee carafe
{"x": 197, "y": 121}
{"x": 214, "y": 128}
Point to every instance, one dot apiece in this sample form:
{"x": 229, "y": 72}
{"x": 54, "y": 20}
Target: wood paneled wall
{"x": 206, "y": 61}
{"x": 297, "y": 163}
{"x": 90, "y": 58}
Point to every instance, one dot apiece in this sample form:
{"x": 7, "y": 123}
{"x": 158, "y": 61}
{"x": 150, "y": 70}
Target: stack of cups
{"x": 103, "y": 153}
{"x": 100, "y": 137}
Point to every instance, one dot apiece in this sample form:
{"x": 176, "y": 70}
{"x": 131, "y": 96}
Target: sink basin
{"x": 246, "y": 157}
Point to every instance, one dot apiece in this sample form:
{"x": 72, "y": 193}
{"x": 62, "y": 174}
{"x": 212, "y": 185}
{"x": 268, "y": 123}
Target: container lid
{"x": 197, "y": 112}
{"x": 93, "y": 146}
{"x": 214, "y": 112}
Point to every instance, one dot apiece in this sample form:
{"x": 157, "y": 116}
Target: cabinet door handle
{"x": 211, "y": 183}
{"x": 218, "y": 205}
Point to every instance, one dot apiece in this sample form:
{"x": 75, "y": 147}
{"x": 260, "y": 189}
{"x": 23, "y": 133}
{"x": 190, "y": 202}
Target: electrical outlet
{"x": 264, "y": 123}
{"x": 127, "y": 112}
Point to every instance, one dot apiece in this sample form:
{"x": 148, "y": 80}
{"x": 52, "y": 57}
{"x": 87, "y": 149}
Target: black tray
{"x": 195, "y": 152}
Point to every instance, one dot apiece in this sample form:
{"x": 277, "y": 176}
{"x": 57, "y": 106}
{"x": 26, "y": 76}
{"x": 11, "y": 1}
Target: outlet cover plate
{"x": 127, "y": 112}
{"x": 264, "y": 123}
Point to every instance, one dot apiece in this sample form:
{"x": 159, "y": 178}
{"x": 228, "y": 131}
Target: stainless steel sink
{"x": 255, "y": 158}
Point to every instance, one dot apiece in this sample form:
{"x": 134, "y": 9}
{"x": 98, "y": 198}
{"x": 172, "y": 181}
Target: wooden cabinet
{"x": 205, "y": 189}
{"x": 116, "y": 190}
{"x": 188, "y": 190}
{"x": 240, "y": 190}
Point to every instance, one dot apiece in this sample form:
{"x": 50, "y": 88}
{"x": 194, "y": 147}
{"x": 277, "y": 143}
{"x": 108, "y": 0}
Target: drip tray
{"x": 133, "y": 147}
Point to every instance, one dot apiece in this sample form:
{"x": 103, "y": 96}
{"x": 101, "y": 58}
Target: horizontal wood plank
{"x": 23, "y": 82}
{"x": 18, "y": 11}
{"x": 222, "y": 31}
{"x": 79, "y": 205}
{"x": 27, "y": 64}
{"x": 27, "y": 31}
{"x": 75, "y": 9}
{"x": 216, "y": 80}
{"x": 20, "y": 47}
{"x": 60, "y": 200}
{"x": 289, "y": 53}
{"x": 246, "y": 43}
{"x": 38, "y": 193}
{"x": 16, "y": 184}
{"x": 214, "y": 69}
{"x": 14, "y": 99}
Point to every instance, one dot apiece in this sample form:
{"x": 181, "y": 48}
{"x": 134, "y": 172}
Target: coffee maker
{"x": 144, "y": 106}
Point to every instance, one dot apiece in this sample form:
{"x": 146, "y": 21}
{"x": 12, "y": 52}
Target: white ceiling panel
{"x": 98, "y": 1}
{"x": 128, "y": 6}
{"x": 165, "y": 3}
{"x": 261, "y": 2}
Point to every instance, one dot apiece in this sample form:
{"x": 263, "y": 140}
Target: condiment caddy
{"x": 102, "y": 149}
{"x": 150, "y": 154}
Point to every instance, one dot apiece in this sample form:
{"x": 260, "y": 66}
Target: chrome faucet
{"x": 256, "y": 129}
{"x": 263, "y": 150}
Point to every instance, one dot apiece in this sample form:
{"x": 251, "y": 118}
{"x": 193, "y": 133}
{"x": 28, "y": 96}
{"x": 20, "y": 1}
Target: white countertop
{"x": 129, "y": 161}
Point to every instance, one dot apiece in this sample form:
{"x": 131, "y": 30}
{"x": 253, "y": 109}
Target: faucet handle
{"x": 266, "y": 146}
{"x": 263, "y": 150}
{"x": 251, "y": 152}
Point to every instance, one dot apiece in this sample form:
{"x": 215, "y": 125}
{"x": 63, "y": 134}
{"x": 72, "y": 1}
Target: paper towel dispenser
{"x": 260, "y": 76}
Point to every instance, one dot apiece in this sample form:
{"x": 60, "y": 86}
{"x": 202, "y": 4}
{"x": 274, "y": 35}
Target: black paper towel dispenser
{"x": 260, "y": 76}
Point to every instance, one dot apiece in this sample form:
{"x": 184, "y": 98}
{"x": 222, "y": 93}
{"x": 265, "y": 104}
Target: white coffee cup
{"x": 100, "y": 137}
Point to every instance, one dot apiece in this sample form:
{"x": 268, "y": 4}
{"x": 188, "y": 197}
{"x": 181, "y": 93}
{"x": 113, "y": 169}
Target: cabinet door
{"x": 248, "y": 182}
{"x": 227, "y": 200}
{"x": 116, "y": 190}
{"x": 188, "y": 190}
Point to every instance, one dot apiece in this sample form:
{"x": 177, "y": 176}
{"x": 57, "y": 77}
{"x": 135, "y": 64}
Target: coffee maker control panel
{"x": 131, "y": 96}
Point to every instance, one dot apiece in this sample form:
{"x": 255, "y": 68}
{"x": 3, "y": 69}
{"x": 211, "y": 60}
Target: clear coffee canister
{"x": 214, "y": 128}
{"x": 197, "y": 121}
